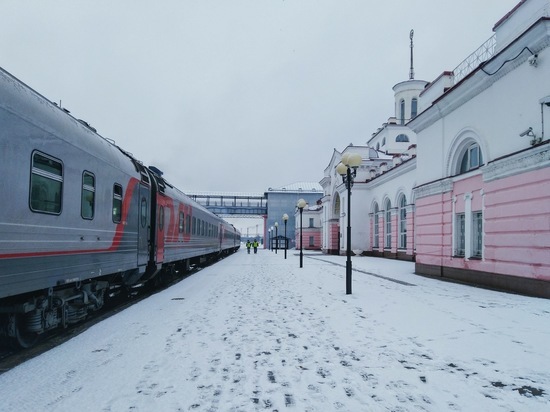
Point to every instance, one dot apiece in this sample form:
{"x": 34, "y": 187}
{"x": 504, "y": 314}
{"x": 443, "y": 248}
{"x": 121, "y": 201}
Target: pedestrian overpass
{"x": 249, "y": 205}
{"x": 282, "y": 201}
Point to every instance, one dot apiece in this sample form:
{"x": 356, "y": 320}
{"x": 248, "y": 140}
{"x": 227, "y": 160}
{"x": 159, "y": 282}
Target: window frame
{"x": 43, "y": 177}
{"x": 387, "y": 226}
{"x": 181, "y": 222}
{"x": 376, "y": 227}
{"x": 117, "y": 201}
{"x": 414, "y": 107}
{"x": 466, "y": 161}
{"x": 460, "y": 235}
{"x": 477, "y": 234}
{"x": 402, "y": 222}
{"x": 86, "y": 188}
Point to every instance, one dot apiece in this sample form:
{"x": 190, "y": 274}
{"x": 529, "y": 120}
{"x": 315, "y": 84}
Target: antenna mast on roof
{"x": 411, "y": 72}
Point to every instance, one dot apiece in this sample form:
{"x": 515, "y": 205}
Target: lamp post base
{"x": 348, "y": 277}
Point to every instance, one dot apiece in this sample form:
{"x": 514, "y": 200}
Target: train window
{"x": 188, "y": 225}
{"x": 182, "y": 220}
{"x": 143, "y": 212}
{"x": 161, "y": 218}
{"x": 117, "y": 203}
{"x": 194, "y": 225}
{"x": 87, "y": 202}
{"x": 46, "y": 184}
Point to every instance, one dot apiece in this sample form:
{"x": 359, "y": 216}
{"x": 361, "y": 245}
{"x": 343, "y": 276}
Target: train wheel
{"x": 23, "y": 338}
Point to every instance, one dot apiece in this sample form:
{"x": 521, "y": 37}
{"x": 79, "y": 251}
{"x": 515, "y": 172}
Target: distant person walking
{"x": 255, "y": 244}
{"x": 248, "y": 244}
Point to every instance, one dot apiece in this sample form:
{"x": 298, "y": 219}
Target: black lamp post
{"x": 285, "y": 218}
{"x": 269, "y": 239}
{"x": 349, "y": 161}
{"x": 276, "y": 237}
{"x": 301, "y": 204}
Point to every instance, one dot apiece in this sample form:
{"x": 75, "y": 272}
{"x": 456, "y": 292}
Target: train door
{"x": 144, "y": 240}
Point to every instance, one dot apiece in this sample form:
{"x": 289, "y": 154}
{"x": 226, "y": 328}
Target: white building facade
{"x": 467, "y": 193}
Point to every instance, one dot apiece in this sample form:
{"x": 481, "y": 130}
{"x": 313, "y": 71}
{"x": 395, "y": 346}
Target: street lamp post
{"x": 269, "y": 239}
{"x": 285, "y": 218}
{"x": 276, "y": 237}
{"x": 349, "y": 161}
{"x": 301, "y": 204}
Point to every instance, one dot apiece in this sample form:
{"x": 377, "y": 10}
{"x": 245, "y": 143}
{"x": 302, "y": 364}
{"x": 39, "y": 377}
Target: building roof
{"x": 298, "y": 187}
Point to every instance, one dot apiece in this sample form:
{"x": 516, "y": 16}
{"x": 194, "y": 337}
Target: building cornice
{"x": 393, "y": 173}
{"x": 434, "y": 188}
{"x": 526, "y": 161}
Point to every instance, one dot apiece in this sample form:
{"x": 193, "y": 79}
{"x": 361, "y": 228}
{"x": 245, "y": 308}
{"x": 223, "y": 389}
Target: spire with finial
{"x": 411, "y": 72}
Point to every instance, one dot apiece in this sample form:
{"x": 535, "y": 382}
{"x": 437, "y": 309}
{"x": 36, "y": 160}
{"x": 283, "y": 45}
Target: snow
{"x": 256, "y": 332}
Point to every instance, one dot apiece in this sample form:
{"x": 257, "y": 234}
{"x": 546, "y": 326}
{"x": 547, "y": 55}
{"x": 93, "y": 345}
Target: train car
{"x": 230, "y": 238}
{"x": 185, "y": 232}
{"x": 81, "y": 218}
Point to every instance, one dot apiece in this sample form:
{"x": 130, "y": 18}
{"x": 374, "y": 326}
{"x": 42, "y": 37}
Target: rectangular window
{"x": 88, "y": 196}
{"x": 388, "y": 230}
{"x": 181, "y": 222}
{"x": 311, "y": 241}
{"x": 117, "y": 203}
{"x": 46, "y": 184}
{"x": 161, "y": 218}
{"x": 477, "y": 226}
{"x": 403, "y": 228}
{"x": 311, "y": 222}
{"x": 414, "y": 107}
{"x": 188, "y": 224}
{"x": 460, "y": 235}
{"x": 194, "y": 225}
{"x": 376, "y": 231}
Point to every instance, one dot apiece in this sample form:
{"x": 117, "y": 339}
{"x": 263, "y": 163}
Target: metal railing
{"x": 482, "y": 54}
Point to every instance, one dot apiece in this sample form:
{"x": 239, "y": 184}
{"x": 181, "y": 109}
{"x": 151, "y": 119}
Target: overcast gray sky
{"x": 236, "y": 95}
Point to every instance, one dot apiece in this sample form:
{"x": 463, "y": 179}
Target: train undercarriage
{"x": 23, "y": 321}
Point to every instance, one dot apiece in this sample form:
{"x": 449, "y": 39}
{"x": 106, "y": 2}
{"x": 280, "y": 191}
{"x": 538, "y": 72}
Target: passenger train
{"x": 82, "y": 219}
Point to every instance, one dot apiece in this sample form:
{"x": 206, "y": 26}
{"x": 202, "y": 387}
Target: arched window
{"x": 471, "y": 158}
{"x": 387, "y": 224}
{"x": 383, "y": 142}
{"x": 466, "y": 153}
{"x": 402, "y": 111}
{"x": 414, "y": 107}
{"x": 402, "y": 222}
{"x": 376, "y": 228}
{"x": 402, "y": 138}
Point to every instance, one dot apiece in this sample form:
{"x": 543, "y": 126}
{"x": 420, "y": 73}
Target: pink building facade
{"x": 483, "y": 213}
{"x": 311, "y": 231}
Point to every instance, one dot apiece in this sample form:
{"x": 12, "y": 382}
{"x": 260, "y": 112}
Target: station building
{"x": 458, "y": 179}
{"x": 283, "y": 200}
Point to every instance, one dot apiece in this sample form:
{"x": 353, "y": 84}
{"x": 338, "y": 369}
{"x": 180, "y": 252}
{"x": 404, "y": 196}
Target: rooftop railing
{"x": 482, "y": 54}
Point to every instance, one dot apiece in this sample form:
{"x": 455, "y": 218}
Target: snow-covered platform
{"x": 256, "y": 332}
